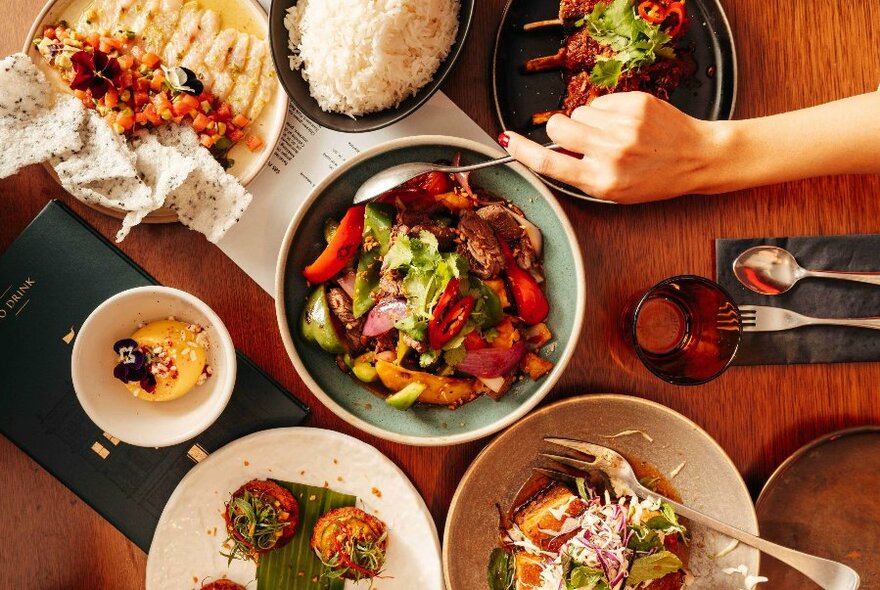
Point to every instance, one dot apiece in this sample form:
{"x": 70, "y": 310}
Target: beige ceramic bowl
{"x": 707, "y": 481}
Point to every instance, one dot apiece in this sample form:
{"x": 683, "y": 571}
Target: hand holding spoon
{"x": 770, "y": 270}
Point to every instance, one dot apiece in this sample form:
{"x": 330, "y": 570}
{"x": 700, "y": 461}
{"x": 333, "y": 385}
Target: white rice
{"x": 363, "y": 56}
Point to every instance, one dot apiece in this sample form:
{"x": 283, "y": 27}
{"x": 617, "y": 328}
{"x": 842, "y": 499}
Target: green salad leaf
{"x": 583, "y": 577}
{"x": 633, "y": 41}
{"x": 652, "y": 567}
{"x": 643, "y": 539}
{"x": 666, "y": 521}
{"x": 427, "y": 271}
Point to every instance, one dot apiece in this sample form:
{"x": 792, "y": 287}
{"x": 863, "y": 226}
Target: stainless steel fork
{"x": 759, "y": 318}
{"x": 828, "y": 574}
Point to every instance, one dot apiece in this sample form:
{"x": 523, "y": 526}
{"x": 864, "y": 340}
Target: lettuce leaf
{"x": 653, "y": 567}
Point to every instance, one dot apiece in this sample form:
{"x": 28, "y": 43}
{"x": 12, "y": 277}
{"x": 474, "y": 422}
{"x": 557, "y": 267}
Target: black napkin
{"x": 812, "y": 297}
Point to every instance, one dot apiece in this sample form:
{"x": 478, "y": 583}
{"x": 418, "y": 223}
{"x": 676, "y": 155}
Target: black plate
{"x": 298, "y": 89}
{"x": 518, "y": 95}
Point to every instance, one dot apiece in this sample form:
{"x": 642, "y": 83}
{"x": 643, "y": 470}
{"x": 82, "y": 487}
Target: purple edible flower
{"x": 132, "y": 366}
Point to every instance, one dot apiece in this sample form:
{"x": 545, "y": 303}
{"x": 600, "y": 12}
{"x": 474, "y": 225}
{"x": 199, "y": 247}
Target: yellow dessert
{"x": 163, "y": 360}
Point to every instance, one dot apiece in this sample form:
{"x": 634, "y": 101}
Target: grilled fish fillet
{"x": 233, "y": 65}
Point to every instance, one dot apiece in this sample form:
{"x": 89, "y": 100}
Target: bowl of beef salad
{"x": 440, "y": 312}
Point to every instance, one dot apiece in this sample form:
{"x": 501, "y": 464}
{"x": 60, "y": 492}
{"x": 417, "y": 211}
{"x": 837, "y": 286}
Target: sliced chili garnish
{"x": 232, "y": 531}
{"x": 346, "y": 242}
{"x": 347, "y": 562}
{"x": 652, "y": 12}
{"x": 443, "y": 329}
{"x": 450, "y": 315}
{"x": 675, "y": 10}
{"x": 531, "y": 303}
{"x": 450, "y": 293}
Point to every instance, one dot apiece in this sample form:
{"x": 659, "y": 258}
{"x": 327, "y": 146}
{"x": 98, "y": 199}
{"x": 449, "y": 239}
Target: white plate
{"x": 183, "y": 550}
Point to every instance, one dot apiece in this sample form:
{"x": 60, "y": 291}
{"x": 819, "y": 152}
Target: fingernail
{"x": 504, "y": 140}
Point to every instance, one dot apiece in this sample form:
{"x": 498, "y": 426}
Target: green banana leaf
{"x": 295, "y": 566}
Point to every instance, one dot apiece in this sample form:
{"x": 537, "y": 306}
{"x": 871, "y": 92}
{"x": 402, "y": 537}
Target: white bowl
{"x": 108, "y": 402}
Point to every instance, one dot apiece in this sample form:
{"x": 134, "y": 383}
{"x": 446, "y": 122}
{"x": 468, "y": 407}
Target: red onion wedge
{"x": 492, "y": 362}
{"x": 462, "y": 178}
{"x": 383, "y": 316}
{"x": 346, "y": 281}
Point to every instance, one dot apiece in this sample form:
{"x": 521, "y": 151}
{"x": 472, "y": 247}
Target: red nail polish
{"x": 504, "y": 140}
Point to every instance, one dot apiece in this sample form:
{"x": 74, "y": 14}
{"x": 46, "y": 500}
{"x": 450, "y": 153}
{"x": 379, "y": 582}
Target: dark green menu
{"x": 51, "y": 278}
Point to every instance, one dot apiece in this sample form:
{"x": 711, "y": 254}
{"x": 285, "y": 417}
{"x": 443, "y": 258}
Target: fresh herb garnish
{"x": 254, "y": 524}
{"x": 633, "y": 41}
{"x": 355, "y": 559}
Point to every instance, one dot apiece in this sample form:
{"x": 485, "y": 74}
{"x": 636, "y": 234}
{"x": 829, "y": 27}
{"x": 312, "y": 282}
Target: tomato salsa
{"x": 132, "y": 89}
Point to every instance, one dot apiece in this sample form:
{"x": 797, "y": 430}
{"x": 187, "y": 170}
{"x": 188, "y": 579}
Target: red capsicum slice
{"x": 652, "y": 12}
{"x": 675, "y": 10}
{"x": 450, "y": 315}
{"x": 531, "y": 303}
{"x": 346, "y": 242}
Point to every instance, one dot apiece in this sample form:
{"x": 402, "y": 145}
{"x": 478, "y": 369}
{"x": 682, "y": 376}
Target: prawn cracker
{"x": 39, "y": 125}
{"x": 211, "y": 201}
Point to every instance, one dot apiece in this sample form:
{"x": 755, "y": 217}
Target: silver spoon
{"x": 393, "y": 177}
{"x": 770, "y": 270}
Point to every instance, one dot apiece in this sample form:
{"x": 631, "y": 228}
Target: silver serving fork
{"x": 828, "y": 574}
{"x": 760, "y": 318}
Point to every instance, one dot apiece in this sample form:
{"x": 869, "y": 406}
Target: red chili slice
{"x": 652, "y": 12}
{"x": 677, "y": 10}
{"x": 531, "y": 303}
{"x": 345, "y": 244}
{"x": 443, "y": 329}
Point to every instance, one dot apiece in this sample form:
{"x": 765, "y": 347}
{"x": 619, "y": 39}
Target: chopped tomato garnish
{"x": 240, "y": 121}
{"x": 151, "y": 60}
{"x": 254, "y": 143}
{"x": 344, "y": 245}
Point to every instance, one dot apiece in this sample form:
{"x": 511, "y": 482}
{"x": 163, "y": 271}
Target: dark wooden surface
{"x": 791, "y": 55}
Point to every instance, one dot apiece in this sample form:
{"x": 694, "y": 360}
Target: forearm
{"x": 841, "y": 137}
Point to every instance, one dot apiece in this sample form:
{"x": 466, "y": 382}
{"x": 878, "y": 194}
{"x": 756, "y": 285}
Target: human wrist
{"x": 721, "y": 157}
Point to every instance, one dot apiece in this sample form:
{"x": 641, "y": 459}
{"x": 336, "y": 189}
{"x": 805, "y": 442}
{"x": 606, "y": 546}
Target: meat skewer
{"x": 543, "y": 24}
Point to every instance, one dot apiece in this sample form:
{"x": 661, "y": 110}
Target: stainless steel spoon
{"x": 770, "y": 270}
{"x": 396, "y": 175}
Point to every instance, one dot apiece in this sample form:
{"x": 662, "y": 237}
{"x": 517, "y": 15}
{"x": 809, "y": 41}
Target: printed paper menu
{"x": 306, "y": 154}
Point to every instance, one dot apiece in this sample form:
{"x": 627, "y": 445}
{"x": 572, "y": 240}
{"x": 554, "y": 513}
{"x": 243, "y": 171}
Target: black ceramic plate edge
{"x": 718, "y": 28}
{"x": 298, "y": 89}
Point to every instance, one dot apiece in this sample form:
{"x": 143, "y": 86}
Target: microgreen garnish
{"x": 254, "y": 522}
{"x": 355, "y": 559}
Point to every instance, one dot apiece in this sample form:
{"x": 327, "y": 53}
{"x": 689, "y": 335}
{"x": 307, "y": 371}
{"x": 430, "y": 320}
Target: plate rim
{"x": 587, "y": 397}
{"x": 433, "y": 85}
{"x": 435, "y": 440}
{"x": 792, "y": 459}
{"x": 231, "y": 446}
{"x": 165, "y": 215}
{"x": 561, "y": 187}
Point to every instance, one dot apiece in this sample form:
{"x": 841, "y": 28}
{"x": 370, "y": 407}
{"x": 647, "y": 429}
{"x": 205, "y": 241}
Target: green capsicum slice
{"x": 317, "y": 324}
{"x": 378, "y": 219}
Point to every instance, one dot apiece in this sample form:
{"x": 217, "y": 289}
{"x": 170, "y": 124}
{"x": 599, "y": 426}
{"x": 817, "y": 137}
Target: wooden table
{"x": 791, "y": 55}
